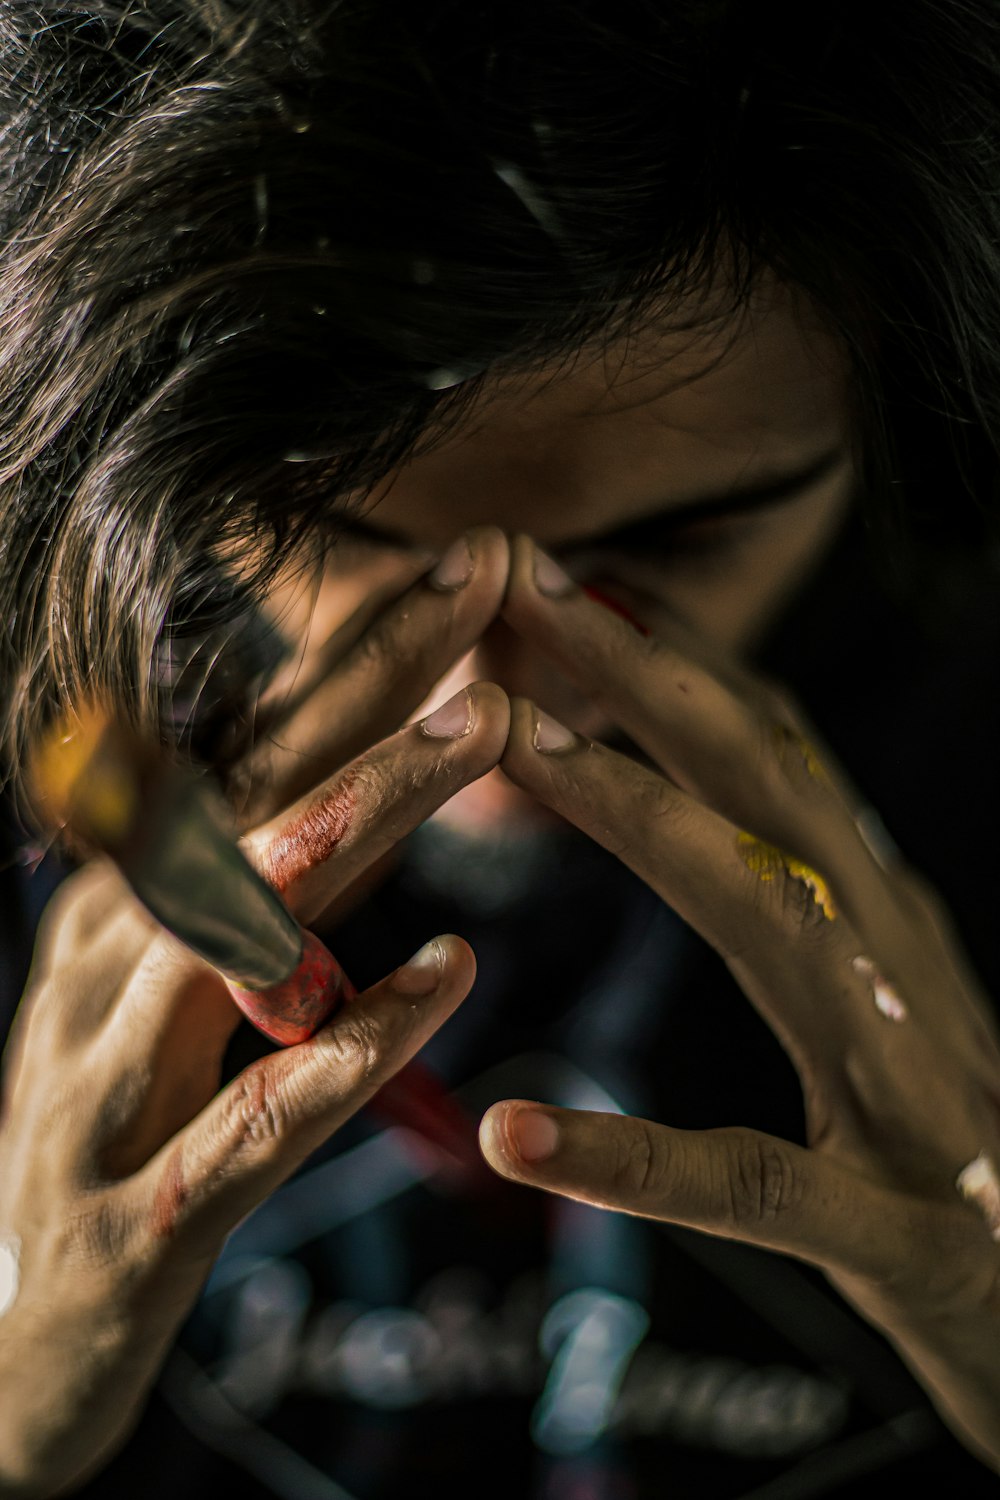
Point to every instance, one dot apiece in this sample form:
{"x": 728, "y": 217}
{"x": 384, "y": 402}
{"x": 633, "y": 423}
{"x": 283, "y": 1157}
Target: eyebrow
{"x": 741, "y": 500}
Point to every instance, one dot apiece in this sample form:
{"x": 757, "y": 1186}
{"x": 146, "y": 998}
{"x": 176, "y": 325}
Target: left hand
{"x": 753, "y": 838}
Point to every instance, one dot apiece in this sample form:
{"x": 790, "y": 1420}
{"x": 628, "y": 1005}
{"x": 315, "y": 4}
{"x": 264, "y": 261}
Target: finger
{"x": 276, "y": 1112}
{"x": 796, "y": 956}
{"x": 332, "y": 835}
{"x": 772, "y": 921}
{"x": 736, "y": 1183}
{"x": 377, "y": 675}
{"x": 720, "y": 744}
{"x": 327, "y": 614}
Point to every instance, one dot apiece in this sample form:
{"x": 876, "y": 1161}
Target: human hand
{"x": 122, "y": 1165}
{"x": 753, "y": 838}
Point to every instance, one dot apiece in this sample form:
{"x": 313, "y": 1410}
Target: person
{"x": 487, "y": 440}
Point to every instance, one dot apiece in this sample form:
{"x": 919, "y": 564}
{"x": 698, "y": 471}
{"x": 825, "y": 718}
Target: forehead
{"x": 668, "y": 416}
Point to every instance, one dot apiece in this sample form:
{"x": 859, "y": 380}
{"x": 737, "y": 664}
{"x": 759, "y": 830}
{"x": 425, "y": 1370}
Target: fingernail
{"x": 550, "y": 735}
{"x": 534, "y": 1136}
{"x": 550, "y": 579}
{"x": 421, "y": 974}
{"x": 452, "y": 719}
{"x": 455, "y": 568}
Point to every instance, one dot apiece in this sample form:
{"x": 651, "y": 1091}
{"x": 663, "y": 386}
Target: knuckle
{"x": 257, "y": 1116}
{"x": 640, "y": 1167}
{"x": 792, "y": 902}
{"x": 661, "y": 806}
{"x": 653, "y": 814}
{"x": 397, "y": 644}
{"x": 356, "y": 1047}
{"x": 379, "y": 642}
{"x": 803, "y": 908}
{"x": 761, "y": 1183}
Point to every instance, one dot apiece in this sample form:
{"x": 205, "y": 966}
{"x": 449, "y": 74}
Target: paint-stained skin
{"x": 171, "y": 1196}
{"x": 766, "y": 861}
{"x": 887, "y": 1000}
{"x": 789, "y": 742}
{"x": 311, "y": 838}
{"x": 294, "y": 1010}
{"x": 600, "y": 597}
{"x": 978, "y": 1184}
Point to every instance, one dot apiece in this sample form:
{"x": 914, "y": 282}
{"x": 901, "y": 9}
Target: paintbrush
{"x": 166, "y": 830}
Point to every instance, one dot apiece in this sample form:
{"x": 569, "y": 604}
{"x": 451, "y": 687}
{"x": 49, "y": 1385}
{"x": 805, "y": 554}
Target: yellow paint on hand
{"x": 766, "y": 861}
{"x": 787, "y": 738}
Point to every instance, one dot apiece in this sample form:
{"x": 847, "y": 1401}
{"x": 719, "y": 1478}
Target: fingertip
{"x": 459, "y": 959}
{"x": 522, "y": 720}
{"x": 491, "y": 709}
{"x": 444, "y": 963}
{"x": 491, "y": 549}
{"x": 517, "y": 1135}
{"x": 520, "y": 759}
{"x": 493, "y": 1140}
{"x": 489, "y": 535}
{"x": 522, "y": 554}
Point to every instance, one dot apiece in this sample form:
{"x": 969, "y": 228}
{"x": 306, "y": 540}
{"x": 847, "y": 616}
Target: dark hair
{"x": 257, "y": 252}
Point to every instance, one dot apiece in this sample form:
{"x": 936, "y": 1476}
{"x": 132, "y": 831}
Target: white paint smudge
{"x": 887, "y": 1000}
{"x": 978, "y": 1184}
{"x": 10, "y": 1271}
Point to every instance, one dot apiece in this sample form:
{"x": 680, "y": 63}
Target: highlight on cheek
{"x": 768, "y": 862}
{"x": 887, "y": 1001}
{"x": 978, "y": 1184}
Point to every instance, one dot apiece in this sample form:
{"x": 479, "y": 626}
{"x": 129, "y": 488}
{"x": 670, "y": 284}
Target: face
{"x": 702, "y": 473}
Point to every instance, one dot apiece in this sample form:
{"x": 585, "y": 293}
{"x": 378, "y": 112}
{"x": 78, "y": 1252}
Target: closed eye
{"x": 698, "y": 526}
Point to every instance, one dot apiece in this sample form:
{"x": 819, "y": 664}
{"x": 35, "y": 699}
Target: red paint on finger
{"x": 311, "y": 838}
{"x": 600, "y": 597}
{"x": 170, "y": 1198}
{"x": 294, "y": 1010}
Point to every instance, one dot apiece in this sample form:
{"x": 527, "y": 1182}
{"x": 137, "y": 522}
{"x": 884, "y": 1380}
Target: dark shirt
{"x": 375, "y": 1331}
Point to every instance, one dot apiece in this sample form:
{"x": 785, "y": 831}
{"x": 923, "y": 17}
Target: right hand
{"x": 123, "y": 1167}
